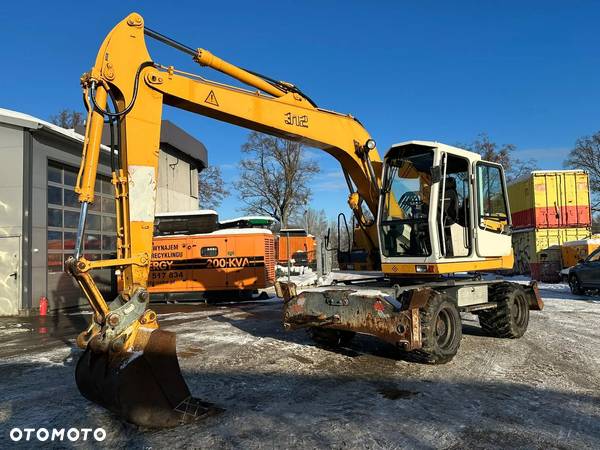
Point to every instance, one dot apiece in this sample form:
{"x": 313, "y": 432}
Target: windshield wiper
{"x": 495, "y": 217}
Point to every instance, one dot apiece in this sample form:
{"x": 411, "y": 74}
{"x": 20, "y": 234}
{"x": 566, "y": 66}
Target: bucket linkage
{"x": 129, "y": 365}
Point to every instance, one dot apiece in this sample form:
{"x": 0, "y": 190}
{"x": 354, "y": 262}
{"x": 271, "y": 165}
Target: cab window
{"x": 454, "y": 208}
{"x": 491, "y": 200}
{"x": 407, "y": 191}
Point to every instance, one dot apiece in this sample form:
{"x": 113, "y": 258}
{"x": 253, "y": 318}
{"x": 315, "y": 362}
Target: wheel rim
{"x": 574, "y": 284}
{"x": 444, "y": 329}
{"x": 518, "y": 309}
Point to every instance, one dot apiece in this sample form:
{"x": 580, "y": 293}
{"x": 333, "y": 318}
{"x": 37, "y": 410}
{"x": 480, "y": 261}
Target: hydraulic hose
{"x": 134, "y": 96}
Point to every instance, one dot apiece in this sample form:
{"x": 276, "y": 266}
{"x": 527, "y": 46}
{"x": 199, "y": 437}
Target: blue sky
{"x": 524, "y": 72}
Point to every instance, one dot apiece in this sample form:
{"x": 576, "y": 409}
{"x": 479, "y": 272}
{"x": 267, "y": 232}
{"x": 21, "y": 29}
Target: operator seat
{"x": 450, "y": 202}
{"x": 450, "y": 213}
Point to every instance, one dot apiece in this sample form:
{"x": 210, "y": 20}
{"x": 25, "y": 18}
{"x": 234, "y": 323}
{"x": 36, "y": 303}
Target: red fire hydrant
{"x": 43, "y": 306}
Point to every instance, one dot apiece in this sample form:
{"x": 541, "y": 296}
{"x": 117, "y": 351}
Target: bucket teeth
{"x": 192, "y": 409}
{"x": 143, "y": 387}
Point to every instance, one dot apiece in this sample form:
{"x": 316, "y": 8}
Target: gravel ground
{"x": 278, "y": 390}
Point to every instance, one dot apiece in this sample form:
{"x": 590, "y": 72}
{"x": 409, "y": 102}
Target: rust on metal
{"x": 285, "y": 290}
{"x": 535, "y": 300}
{"x": 417, "y": 298}
{"x": 348, "y": 309}
{"x": 416, "y": 329}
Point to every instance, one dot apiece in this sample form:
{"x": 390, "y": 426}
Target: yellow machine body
{"x": 125, "y": 76}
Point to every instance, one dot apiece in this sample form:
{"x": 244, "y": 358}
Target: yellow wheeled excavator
{"x": 438, "y": 210}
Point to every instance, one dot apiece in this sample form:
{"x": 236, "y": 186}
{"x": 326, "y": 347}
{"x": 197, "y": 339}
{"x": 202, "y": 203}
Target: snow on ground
{"x": 553, "y": 291}
{"x": 306, "y": 278}
{"x": 293, "y": 270}
{"x": 15, "y": 328}
{"x": 340, "y": 275}
{"x": 278, "y": 390}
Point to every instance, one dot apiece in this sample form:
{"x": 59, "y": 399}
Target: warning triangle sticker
{"x": 211, "y": 99}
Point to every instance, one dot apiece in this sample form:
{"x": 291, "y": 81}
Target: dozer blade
{"x": 145, "y": 388}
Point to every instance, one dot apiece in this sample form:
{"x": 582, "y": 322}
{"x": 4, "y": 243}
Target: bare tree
{"x": 211, "y": 188}
{"x": 501, "y": 154}
{"x": 274, "y": 177}
{"x": 314, "y": 221}
{"x": 67, "y": 118}
{"x": 586, "y": 155}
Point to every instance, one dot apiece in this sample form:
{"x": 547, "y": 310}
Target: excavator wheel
{"x": 145, "y": 388}
{"x": 511, "y": 318}
{"x": 441, "y": 330}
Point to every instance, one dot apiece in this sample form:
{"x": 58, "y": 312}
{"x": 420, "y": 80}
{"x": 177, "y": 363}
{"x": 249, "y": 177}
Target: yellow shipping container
{"x": 551, "y": 199}
{"x": 538, "y": 252}
{"x": 574, "y": 251}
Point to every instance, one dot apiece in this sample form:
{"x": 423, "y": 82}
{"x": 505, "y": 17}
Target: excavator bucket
{"x": 144, "y": 387}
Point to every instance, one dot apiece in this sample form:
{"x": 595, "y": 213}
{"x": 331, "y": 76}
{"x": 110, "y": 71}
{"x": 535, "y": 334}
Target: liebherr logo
{"x": 57, "y": 434}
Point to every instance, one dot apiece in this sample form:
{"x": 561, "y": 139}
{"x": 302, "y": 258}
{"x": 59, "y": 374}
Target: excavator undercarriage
{"x": 422, "y": 318}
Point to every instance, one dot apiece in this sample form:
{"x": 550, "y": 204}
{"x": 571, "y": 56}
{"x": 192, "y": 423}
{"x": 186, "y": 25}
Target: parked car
{"x": 586, "y": 274}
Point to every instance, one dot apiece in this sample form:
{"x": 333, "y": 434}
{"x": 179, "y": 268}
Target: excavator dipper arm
{"x": 130, "y": 365}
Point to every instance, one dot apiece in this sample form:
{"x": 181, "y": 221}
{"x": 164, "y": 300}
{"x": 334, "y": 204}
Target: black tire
{"x": 575, "y": 285}
{"x": 511, "y": 318}
{"x": 329, "y": 337}
{"x": 441, "y": 330}
{"x": 246, "y": 295}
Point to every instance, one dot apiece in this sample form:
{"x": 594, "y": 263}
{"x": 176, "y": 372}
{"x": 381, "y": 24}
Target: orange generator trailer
{"x": 208, "y": 260}
{"x": 296, "y": 244}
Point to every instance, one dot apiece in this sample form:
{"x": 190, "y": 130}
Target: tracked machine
{"x": 438, "y": 210}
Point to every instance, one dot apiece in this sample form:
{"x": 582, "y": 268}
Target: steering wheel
{"x": 410, "y": 200}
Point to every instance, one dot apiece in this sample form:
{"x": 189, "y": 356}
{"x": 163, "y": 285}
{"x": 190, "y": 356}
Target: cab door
{"x": 492, "y": 214}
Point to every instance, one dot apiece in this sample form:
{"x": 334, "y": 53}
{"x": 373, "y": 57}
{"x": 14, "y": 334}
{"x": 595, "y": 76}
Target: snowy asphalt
{"x": 278, "y": 390}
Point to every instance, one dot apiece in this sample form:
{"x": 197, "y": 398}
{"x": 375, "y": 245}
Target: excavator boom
{"x": 429, "y": 229}
{"x": 130, "y": 365}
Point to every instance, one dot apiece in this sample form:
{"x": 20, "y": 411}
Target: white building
{"x": 39, "y": 209}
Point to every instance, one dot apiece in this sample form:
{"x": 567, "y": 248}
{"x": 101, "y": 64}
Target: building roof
{"x": 179, "y": 140}
{"x": 23, "y": 120}
{"x": 174, "y": 141}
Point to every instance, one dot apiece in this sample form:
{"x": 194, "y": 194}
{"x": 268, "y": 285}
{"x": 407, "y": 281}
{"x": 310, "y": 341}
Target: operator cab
{"x": 441, "y": 205}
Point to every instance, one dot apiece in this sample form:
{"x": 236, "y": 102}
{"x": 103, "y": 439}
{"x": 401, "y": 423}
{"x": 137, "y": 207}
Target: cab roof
{"x": 433, "y": 144}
